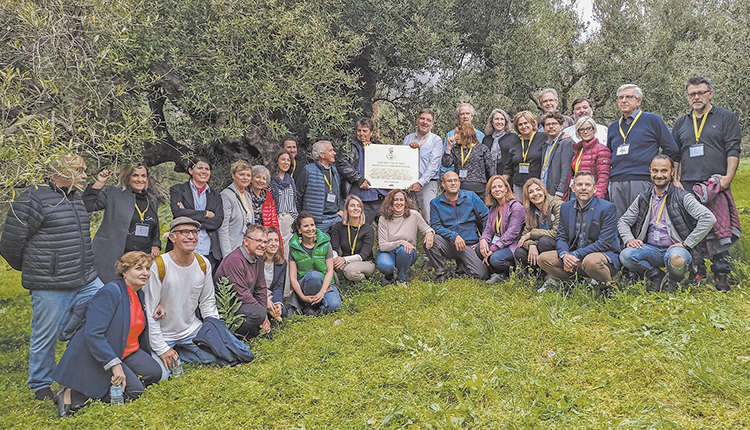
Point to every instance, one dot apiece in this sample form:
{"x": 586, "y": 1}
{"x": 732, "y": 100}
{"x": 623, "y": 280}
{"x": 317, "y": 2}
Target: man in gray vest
{"x": 660, "y": 228}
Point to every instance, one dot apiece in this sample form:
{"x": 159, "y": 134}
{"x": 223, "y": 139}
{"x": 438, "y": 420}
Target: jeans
{"x": 647, "y": 260}
{"x": 399, "y": 260}
{"x": 501, "y": 261}
{"x": 312, "y": 282}
{"x": 50, "y": 309}
{"x": 190, "y": 352}
{"x": 326, "y": 222}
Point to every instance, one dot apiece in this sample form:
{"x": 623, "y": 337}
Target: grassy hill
{"x": 456, "y": 355}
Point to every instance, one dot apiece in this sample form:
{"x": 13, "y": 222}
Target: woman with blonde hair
{"x": 352, "y": 239}
{"x": 590, "y": 156}
{"x": 525, "y": 157}
{"x": 397, "y": 235}
{"x": 540, "y": 228}
{"x": 131, "y": 217}
{"x": 498, "y": 241}
{"x": 238, "y": 208}
{"x": 470, "y": 160}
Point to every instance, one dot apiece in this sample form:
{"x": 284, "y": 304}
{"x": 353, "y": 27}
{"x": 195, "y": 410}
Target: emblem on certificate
{"x": 391, "y": 166}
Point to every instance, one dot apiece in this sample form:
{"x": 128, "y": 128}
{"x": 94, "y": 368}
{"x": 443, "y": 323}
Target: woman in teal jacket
{"x": 311, "y": 268}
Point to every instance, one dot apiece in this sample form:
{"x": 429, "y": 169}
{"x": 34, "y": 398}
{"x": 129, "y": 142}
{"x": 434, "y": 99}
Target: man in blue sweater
{"x": 634, "y": 140}
{"x": 458, "y": 217}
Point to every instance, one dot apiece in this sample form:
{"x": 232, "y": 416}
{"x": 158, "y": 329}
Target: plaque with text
{"x": 391, "y": 166}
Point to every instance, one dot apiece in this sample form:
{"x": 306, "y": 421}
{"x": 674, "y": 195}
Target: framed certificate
{"x": 391, "y": 166}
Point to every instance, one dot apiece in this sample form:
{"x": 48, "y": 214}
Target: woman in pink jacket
{"x": 590, "y": 156}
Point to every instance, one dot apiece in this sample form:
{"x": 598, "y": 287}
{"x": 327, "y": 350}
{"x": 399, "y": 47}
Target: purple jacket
{"x": 721, "y": 203}
{"x": 510, "y": 226}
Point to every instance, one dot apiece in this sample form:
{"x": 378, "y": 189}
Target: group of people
{"x": 555, "y": 195}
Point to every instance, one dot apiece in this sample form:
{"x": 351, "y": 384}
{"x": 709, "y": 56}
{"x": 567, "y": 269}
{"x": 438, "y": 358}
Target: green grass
{"x": 456, "y": 355}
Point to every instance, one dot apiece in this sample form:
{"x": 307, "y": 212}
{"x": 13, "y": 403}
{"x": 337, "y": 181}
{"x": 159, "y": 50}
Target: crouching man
{"x": 661, "y": 227}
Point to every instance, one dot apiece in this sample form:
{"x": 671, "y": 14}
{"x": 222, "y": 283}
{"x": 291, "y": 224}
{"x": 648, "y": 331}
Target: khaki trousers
{"x": 595, "y": 265}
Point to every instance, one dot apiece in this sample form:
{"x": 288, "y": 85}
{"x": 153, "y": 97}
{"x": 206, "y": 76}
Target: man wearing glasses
{"x": 244, "y": 267}
{"x": 709, "y": 140}
{"x": 635, "y": 139}
{"x": 181, "y": 283}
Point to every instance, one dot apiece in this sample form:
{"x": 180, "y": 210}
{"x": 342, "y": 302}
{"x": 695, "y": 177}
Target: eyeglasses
{"x": 186, "y": 232}
{"x": 585, "y": 129}
{"x": 697, "y": 93}
{"x": 452, "y": 181}
{"x": 256, "y": 240}
{"x": 626, "y": 97}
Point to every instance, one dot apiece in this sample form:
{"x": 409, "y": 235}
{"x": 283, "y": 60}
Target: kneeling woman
{"x": 502, "y": 230}
{"x": 397, "y": 235}
{"x": 275, "y": 274}
{"x": 352, "y": 239}
{"x": 112, "y": 348}
{"x": 311, "y": 268}
{"x": 540, "y": 230}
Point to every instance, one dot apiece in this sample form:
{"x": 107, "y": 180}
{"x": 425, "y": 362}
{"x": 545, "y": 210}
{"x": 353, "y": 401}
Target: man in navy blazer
{"x": 587, "y": 241}
{"x": 196, "y": 200}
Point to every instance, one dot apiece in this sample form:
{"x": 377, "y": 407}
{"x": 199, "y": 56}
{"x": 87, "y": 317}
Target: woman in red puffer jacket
{"x": 590, "y": 155}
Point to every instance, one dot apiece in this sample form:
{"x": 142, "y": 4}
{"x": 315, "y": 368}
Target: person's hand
{"x": 339, "y": 262}
{"x": 634, "y": 243}
{"x": 104, "y": 176}
{"x": 533, "y": 255}
{"x": 155, "y": 251}
{"x": 451, "y": 142}
{"x": 277, "y": 309}
{"x": 460, "y": 244}
{"x": 725, "y": 181}
{"x": 681, "y": 245}
{"x": 429, "y": 239}
{"x": 416, "y": 187}
{"x": 318, "y": 297}
{"x": 118, "y": 375}
{"x": 408, "y": 247}
{"x": 210, "y": 214}
{"x": 169, "y": 358}
{"x": 265, "y": 327}
{"x": 570, "y": 262}
{"x": 307, "y": 299}
{"x": 159, "y": 312}
{"x": 566, "y": 136}
{"x": 523, "y": 239}
{"x": 365, "y": 185}
{"x": 414, "y": 145}
{"x": 340, "y": 213}
{"x": 180, "y": 205}
{"x": 484, "y": 248}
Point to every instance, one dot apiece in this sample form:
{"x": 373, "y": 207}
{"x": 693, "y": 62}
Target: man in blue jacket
{"x": 458, "y": 217}
{"x": 587, "y": 242}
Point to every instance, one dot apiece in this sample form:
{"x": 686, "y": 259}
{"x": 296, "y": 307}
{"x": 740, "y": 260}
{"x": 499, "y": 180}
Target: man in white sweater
{"x": 180, "y": 283}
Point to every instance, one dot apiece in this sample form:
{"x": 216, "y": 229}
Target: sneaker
{"x": 44, "y": 394}
{"x": 721, "y": 283}
{"x": 667, "y": 285}
{"x": 695, "y": 279}
{"x": 654, "y": 284}
{"x": 496, "y": 278}
{"x": 401, "y": 283}
{"x": 549, "y": 283}
{"x": 310, "y": 311}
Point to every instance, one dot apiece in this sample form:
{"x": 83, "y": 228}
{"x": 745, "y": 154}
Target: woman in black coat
{"x": 131, "y": 219}
{"x": 207, "y": 210}
{"x": 113, "y": 347}
{"x": 499, "y": 138}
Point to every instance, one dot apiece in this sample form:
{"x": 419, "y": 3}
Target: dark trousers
{"x": 141, "y": 370}
{"x": 372, "y": 210}
{"x": 545, "y": 243}
{"x": 255, "y": 315}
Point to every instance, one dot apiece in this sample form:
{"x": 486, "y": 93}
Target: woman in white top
{"x": 238, "y": 208}
{"x": 275, "y": 274}
{"x": 397, "y": 235}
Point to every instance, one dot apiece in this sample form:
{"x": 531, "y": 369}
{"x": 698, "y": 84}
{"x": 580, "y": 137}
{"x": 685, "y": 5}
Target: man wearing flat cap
{"x": 181, "y": 283}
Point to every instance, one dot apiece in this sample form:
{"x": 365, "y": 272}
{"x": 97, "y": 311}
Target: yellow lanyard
{"x": 699, "y": 131}
{"x": 137, "y": 209}
{"x": 498, "y": 221}
{"x": 294, "y": 167}
{"x": 661, "y": 210}
{"x": 546, "y": 158}
{"x": 525, "y": 152}
{"x": 349, "y": 236}
{"x": 330, "y": 172}
{"x": 625, "y": 135}
{"x": 424, "y": 139}
{"x": 464, "y": 160}
{"x": 578, "y": 162}
{"x": 243, "y": 201}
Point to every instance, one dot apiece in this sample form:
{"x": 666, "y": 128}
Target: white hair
{"x": 319, "y": 147}
{"x": 548, "y": 90}
{"x": 638, "y": 92}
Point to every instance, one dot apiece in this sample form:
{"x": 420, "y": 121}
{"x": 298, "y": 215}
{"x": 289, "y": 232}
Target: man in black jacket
{"x": 46, "y": 236}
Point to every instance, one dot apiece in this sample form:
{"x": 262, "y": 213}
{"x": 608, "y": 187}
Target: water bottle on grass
{"x": 177, "y": 371}
{"x": 116, "y": 396}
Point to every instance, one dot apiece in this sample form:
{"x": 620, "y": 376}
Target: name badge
{"x": 141, "y": 230}
{"x": 462, "y": 174}
{"x": 331, "y": 198}
{"x": 623, "y": 149}
{"x": 657, "y": 236}
{"x": 523, "y": 167}
{"x": 696, "y": 150}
